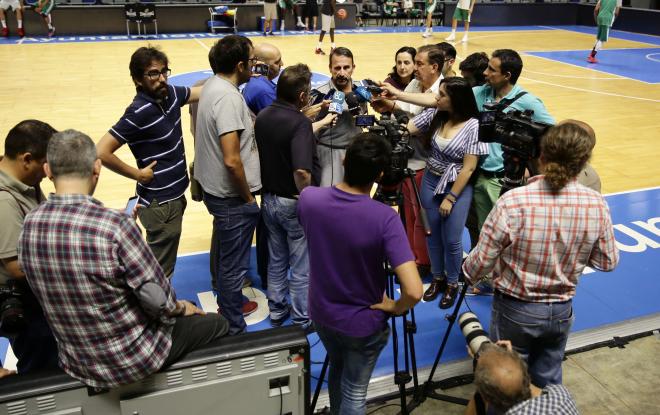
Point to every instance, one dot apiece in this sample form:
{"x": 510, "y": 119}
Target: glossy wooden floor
{"x": 86, "y": 86}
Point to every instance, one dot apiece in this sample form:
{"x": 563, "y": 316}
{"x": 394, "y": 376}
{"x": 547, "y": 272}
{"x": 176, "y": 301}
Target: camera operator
{"x": 21, "y": 172}
{"x": 349, "y": 236}
{"x": 504, "y": 387}
{"x": 105, "y": 296}
{"x": 537, "y": 241}
{"x": 333, "y": 139}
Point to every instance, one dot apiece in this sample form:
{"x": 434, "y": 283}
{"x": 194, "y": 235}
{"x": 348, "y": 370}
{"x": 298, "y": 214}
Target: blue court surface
{"x": 631, "y": 291}
{"x": 642, "y": 64}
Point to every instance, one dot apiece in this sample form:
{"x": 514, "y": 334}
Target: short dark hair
{"x": 229, "y": 51}
{"x": 462, "y": 99}
{"x": 476, "y": 64}
{"x": 142, "y": 58}
{"x": 212, "y": 64}
{"x": 450, "y": 51}
{"x": 341, "y": 51}
{"x": 435, "y": 55}
{"x": 511, "y": 62}
{"x": 29, "y": 136}
{"x": 367, "y": 156}
{"x": 293, "y": 80}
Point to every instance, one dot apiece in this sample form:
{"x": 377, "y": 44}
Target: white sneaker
{"x": 451, "y": 37}
{"x": 427, "y": 34}
{"x": 465, "y": 39}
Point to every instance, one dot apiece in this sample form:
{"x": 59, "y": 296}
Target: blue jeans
{"x": 352, "y": 360}
{"x": 538, "y": 331}
{"x": 446, "y": 241}
{"x": 233, "y": 225}
{"x": 287, "y": 249}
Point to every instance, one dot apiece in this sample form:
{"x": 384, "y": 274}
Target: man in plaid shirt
{"x": 537, "y": 241}
{"x": 112, "y": 310}
{"x": 503, "y": 385}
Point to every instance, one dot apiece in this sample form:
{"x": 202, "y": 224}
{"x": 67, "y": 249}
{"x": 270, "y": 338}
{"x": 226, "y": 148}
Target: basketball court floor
{"x": 82, "y": 82}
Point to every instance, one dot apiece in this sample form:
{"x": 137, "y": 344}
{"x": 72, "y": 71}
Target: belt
{"x": 492, "y": 174}
{"x": 512, "y": 298}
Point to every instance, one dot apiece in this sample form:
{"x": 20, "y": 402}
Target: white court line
{"x": 579, "y": 77}
{"x": 203, "y": 45}
{"x": 586, "y": 68}
{"x": 651, "y": 59}
{"x": 591, "y": 90}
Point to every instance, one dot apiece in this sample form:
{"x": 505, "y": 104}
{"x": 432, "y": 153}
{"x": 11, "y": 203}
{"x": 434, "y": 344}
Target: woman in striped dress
{"x": 446, "y": 192}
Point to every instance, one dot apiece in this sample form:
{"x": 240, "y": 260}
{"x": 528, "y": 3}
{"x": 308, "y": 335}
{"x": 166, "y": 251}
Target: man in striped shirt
{"x": 537, "y": 241}
{"x": 151, "y": 126}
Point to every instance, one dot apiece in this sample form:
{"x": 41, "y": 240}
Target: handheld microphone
{"x": 372, "y": 87}
{"x": 337, "y": 104}
{"x": 353, "y": 103}
{"x": 363, "y": 94}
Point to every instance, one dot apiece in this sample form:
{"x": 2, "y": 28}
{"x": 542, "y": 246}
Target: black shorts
{"x": 311, "y": 9}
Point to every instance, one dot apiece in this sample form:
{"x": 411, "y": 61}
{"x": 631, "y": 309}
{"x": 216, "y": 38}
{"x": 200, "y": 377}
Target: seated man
{"x": 112, "y": 310}
{"x": 503, "y": 386}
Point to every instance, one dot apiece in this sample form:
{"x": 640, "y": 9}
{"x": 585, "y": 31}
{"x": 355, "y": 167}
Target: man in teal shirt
{"x": 502, "y": 73}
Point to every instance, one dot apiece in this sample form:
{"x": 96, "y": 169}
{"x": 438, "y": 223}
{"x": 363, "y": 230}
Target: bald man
{"x": 504, "y": 387}
{"x": 588, "y": 176}
{"x": 259, "y": 92}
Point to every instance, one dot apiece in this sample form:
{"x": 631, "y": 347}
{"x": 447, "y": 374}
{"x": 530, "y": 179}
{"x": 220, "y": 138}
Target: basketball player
{"x": 17, "y": 6}
{"x": 463, "y": 12}
{"x": 430, "y": 8}
{"x": 328, "y": 11}
{"x": 604, "y": 13}
{"x": 44, "y": 8}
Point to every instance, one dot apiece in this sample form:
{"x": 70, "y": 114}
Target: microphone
{"x": 353, "y": 104}
{"x": 337, "y": 104}
{"x": 363, "y": 94}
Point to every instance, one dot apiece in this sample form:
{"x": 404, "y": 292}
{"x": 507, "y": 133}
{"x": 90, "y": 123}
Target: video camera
{"x": 12, "y": 312}
{"x": 518, "y": 134}
{"x": 395, "y": 131}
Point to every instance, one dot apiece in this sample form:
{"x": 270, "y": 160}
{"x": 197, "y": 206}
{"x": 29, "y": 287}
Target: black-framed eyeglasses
{"x": 155, "y": 74}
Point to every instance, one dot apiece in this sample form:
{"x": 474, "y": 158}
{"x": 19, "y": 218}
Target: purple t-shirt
{"x": 348, "y": 237}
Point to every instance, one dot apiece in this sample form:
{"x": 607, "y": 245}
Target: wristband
{"x": 453, "y": 202}
{"x": 454, "y": 195}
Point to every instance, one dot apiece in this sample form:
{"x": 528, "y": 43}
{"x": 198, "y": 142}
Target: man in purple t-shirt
{"x": 349, "y": 236}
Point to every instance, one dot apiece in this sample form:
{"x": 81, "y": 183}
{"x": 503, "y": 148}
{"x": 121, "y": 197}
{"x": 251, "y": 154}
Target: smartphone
{"x": 130, "y": 205}
{"x": 260, "y": 69}
{"x": 365, "y": 120}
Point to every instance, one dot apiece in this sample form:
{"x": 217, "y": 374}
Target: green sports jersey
{"x": 606, "y": 12}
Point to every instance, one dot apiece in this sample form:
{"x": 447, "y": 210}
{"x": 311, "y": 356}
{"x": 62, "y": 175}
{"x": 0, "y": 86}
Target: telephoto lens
{"x": 474, "y": 333}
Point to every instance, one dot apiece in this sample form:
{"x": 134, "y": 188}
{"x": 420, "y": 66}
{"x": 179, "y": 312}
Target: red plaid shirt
{"x": 537, "y": 243}
{"x": 83, "y": 262}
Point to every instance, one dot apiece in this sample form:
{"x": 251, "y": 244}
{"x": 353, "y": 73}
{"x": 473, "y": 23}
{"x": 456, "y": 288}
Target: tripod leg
{"x": 317, "y": 392}
{"x": 452, "y": 320}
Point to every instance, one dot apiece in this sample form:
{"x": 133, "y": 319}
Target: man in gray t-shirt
{"x": 227, "y": 167}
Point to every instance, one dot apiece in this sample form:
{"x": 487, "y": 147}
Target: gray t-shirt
{"x": 222, "y": 110}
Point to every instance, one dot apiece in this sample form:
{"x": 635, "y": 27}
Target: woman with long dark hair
{"x": 446, "y": 192}
{"x": 403, "y": 70}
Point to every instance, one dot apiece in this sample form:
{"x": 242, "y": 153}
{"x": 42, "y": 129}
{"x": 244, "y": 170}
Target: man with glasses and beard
{"x": 151, "y": 126}
{"x": 227, "y": 168}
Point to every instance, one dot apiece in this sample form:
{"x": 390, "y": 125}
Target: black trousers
{"x": 193, "y": 332}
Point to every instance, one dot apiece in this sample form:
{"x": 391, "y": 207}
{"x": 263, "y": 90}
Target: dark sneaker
{"x": 319, "y": 51}
{"x": 592, "y": 59}
{"x": 51, "y": 32}
{"x": 21, "y": 32}
{"x": 4, "y": 32}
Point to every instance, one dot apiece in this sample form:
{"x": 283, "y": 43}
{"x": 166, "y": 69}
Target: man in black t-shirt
{"x": 327, "y": 24}
{"x": 288, "y": 164}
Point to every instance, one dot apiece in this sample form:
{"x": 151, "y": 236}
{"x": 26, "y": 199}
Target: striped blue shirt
{"x": 152, "y": 131}
{"x": 449, "y": 160}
